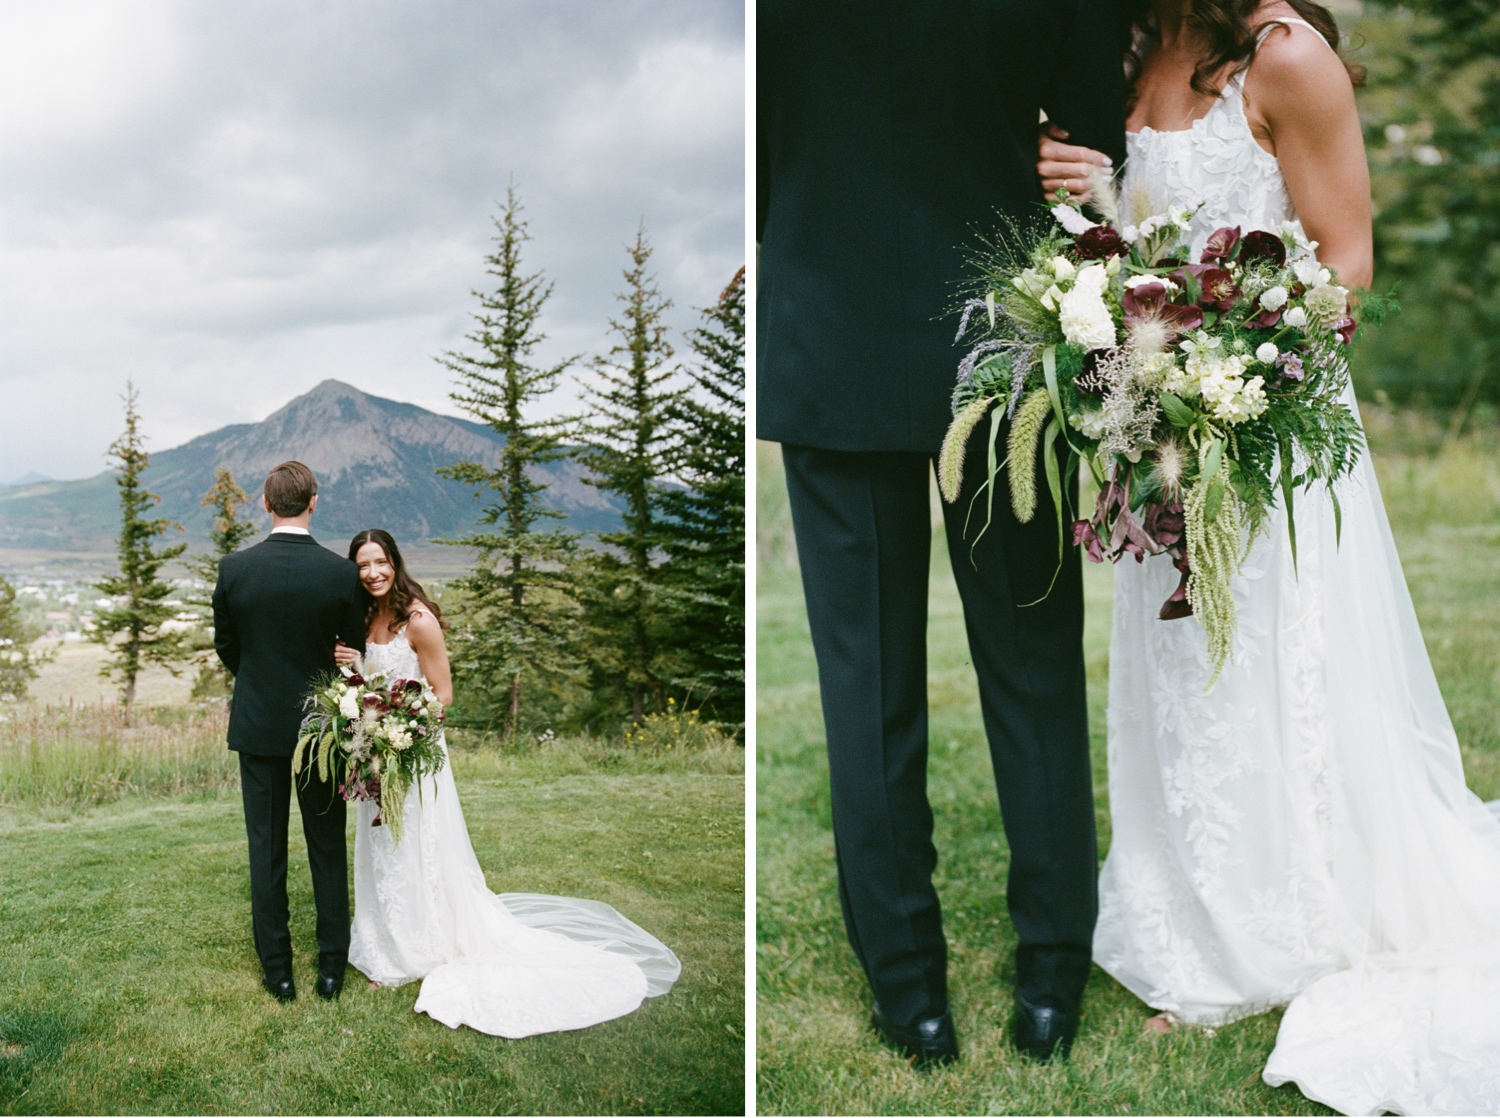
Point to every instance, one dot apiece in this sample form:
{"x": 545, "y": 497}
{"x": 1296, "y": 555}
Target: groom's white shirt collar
{"x": 291, "y": 530}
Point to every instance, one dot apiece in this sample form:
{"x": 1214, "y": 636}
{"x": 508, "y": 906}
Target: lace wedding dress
{"x": 512, "y": 964}
{"x": 1299, "y": 834}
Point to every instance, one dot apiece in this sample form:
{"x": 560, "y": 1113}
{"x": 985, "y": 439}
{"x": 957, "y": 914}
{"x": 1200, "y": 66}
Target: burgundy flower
{"x": 1345, "y": 328}
{"x": 414, "y": 685}
{"x": 1219, "y": 289}
{"x": 372, "y": 700}
{"x": 1083, "y": 533}
{"x": 1165, "y": 523}
{"x": 1221, "y": 244}
{"x": 1265, "y": 320}
{"x": 1177, "y": 604}
{"x": 1099, "y": 242}
{"x": 1260, "y": 245}
{"x": 1148, "y": 301}
{"x": 397, "y": 685}
{"x": 356, "y": 680}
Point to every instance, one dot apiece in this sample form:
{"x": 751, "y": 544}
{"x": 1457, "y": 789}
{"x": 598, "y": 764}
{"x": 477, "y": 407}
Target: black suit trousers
{"x": 266, "y": 785}
{"x": 863, "y": 529}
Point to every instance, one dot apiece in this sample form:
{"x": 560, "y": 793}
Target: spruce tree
{"x": 521, "y": 621}
{"x": 17, "y": 661}
{"x": 133, "y": 630}
{"x": 628, "y": 448}
{"x": 226, "y": 534}
{"x": 704, "y": 526}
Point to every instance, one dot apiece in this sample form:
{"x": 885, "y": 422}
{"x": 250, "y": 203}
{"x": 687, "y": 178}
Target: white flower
{"x": 399, "y": 737}
{"x": 1130, "y": 233}
{"x": 1051, "y": 296}
{"x": 349, "y": 704}
{"x": 1310, "y": 273}
{"x": 1137, "y": 281}
{"x": 429, "y": 695}
{"x": 1295, "y": 317}
{"x": 1253, "y": 398}
{"x": 1062, "y": 267}
{"x": 1274, "y": 298}
{"x": 1082, "y": 313}
{"x": 1182, "y": 217}
{"x": 1112, "y": 266}
{"x": 1090, "y": 422}
{"x": 1071, "y": 220}
{"x": 1267, "y": 353}
{"x": 1327, "y": 302}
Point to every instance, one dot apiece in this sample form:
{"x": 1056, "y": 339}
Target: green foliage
{"x": 1432, "y": 125}
{"x": 225, "y": 535}
{"x": 520, "y": 621}
{"x": 17, "y": 660}
{"x": 703, "y": 521}
{"x": 631, "y": 444}
{"x": 134, "y": 630}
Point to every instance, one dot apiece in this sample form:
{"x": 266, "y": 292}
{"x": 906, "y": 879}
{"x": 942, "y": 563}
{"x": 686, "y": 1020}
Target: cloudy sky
{"x": 229, "y": 203}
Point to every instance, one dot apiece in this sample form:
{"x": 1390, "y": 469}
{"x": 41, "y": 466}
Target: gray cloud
{"x": 231, "y": 202}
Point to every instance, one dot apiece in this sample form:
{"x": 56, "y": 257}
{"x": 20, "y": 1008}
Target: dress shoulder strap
{"x": 1286, "y": 21}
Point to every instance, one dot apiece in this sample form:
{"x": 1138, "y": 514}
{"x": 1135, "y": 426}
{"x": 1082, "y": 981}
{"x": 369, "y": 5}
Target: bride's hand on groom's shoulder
{"x": 1064, "y": 166}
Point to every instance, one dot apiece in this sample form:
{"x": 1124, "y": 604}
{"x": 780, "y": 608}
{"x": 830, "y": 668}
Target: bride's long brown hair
{"x": 1226, "y": 27}
{"x": 405, "y": 591}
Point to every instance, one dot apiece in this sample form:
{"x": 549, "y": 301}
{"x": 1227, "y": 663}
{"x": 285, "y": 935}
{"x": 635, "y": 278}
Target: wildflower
{"x": 1273, "y": 299}
{"x": 1267, "y": 353}
{"x": 1296, "y": 317}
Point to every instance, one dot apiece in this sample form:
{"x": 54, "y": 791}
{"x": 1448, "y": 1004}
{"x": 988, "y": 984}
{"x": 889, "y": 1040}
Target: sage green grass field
{"x": 130, "y": 984}
{"x": 814, "y": 1051}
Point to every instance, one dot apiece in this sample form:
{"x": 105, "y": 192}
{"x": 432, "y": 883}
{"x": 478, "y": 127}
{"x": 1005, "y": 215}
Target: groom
{"x": 891, "y": 135}
{"x": 279, "y": 608}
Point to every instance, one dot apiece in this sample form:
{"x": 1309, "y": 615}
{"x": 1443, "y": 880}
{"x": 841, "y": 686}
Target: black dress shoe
{"x": 1043, "y": 1032}
{"x": 329, "y": 987}
{"x": 927, "y": 1043}
{"x": 282, "y": 991}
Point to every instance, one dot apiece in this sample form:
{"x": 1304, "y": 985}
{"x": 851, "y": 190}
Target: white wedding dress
{"x": 512, "y": 964}
{"x": 1299, "y": 834}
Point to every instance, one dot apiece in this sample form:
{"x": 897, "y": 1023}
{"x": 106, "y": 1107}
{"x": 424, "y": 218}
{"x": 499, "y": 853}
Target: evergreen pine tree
{"x": 520, "y": 620}
{"x": 133, "y": 630}
{"x": 225, "y": 497}
{"x": 704, "y": 527}
{"x": 17, "y": 662}
{"x": 628, "y": 447}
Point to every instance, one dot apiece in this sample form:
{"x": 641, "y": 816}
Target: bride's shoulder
{"x": 422, "y": 626}
{"x": 1294, "y": 69}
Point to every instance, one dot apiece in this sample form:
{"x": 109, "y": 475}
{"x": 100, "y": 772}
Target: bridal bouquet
{"x": 1196, "y": 391}
{"x": 386, "y": 733}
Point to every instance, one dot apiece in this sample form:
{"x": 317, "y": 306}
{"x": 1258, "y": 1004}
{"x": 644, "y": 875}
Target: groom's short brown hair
{"x": 290, "y": 488}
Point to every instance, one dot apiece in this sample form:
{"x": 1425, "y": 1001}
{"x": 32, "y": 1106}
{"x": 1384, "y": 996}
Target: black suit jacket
{"x": 891, "y": 135}
{"x": 278, "y": 609}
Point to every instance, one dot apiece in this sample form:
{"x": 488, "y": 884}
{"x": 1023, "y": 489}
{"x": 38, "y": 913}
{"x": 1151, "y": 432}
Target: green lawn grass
{"x": 814, "y": 1052}
{"x": 130, "y": 984}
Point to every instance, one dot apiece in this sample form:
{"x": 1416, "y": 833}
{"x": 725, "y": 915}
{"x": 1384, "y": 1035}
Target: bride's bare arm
{"x": 1300, "y": 102}
{"x": 426, "y": 637}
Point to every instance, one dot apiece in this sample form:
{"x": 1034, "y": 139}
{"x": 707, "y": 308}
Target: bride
{"x": 513, "y": 964}
{"x": 1300, "y": 833}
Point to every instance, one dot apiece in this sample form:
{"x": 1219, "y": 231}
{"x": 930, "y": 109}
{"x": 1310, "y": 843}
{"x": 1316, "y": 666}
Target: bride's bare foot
{"x": 1160, "y": 1025}
{"x": 374, "y": 985}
